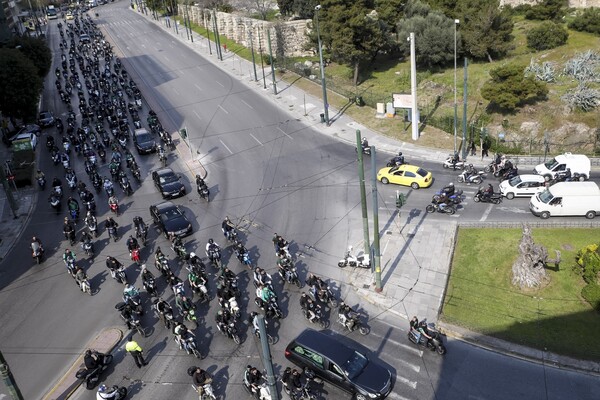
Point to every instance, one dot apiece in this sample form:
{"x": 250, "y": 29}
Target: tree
{"x": 434, "y": 39}
{"x": 20, "y": 85}
{"x": 390, "y": 11}
{"x": 509, "y": 88}
{"x": 486, "y": 30}
{"x": 587, "y": 21}
{"x": 36, "y": 50}
{"x": 548, "y": 10}
{"x": 547, "y": 35}
{"x": 351, "y": 33}
{"x": 286, "y": 7}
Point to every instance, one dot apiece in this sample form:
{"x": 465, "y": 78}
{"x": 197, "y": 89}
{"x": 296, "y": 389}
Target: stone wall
{"x": 292, "y": 37}
{"x": 572, "y": 3}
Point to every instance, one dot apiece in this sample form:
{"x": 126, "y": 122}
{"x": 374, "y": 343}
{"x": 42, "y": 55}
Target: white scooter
{"x": 361, "y": 260}
{"x": 460, "y": 164}
{"x": 471, "y": 178}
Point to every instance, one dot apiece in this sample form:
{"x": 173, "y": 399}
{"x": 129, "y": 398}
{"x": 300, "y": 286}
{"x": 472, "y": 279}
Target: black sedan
{"x": 168, "y": 183}
{"x": 171, "y": 219}
{"x": 46, "y": 119}
{"x": 144, "y": 141}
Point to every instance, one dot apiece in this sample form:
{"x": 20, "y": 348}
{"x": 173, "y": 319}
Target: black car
{"x": 46, "y": 119}
{"x": 144, "y": 141}
{"x": 340, "y": 365}
{"x": 171, "y": 219}
{"x": 168, "y": 183}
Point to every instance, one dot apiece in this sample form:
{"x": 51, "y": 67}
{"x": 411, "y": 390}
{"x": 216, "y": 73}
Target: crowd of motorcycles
{"x": 98, "y": 139}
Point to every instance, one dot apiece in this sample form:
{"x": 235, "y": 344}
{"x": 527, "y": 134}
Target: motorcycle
{"x": 141, "y": 232}
{"x": 318, "y": 317}
{"x": 92, "y": 227}
{"x": 357, "y": 325}
{"x": 494, "y": 198}
{"x": 231, "y": 305}
{"x": 360, "y": 260}
{"x": 230, "y": 235}
{"x": 85, "y": 286}
{"x": 215, "y": 257}
{"x": 150, "y": 287}
{"x": 71, "y": 267}
{"x": 119, "y": 275}
{"x": 263, "y": 392}
{"x": 135, "y": 303}
{"x": 434, "y": 344}
{"x": 135, "y": 255}
{"x": 396, "y": 161}
{"x": 38, "y": 254}
{"x": 454, "y": 198}
{"x": 202, "y": 188}
{"x": 88, "y": 247}
{"x": 189, "y": 345}
{"x": 54, "y": 201}
{"x": 230, "y": 331}
{"x": 112, "y": 233}
{"x": 325, "y": 296}
{"x": 41, "y": 182}
{"x": 91, "y": 377}
{"x": 470, "y": 178}
{"x": 290, "y": 275}
{"x": 114, "y": 207}
{"x": 304, "y": 391}
{"x": 179, "y": 251}
{"x": 442, "y": 208}
{"x": 270, "y": 308}
{"x": 450, "y": 163}
{"x": 366, "y": 150}
{"x": 163, "y": 266}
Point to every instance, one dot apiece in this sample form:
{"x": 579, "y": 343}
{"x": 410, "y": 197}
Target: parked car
{"x": 170, "y": 219}
{"x": 168, "y": 183}
{"x": 46, "y": 119}
{"x": 339, "y": 364}
{"x": 522, "y": 186}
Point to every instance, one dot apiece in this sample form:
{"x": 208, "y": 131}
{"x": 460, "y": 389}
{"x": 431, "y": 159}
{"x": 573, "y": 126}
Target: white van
{"x": 567, "y": 199}
{"x": 578, "y": 163}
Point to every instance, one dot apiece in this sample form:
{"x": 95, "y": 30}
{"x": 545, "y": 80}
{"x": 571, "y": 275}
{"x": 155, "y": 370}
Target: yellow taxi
{"x": 69, "y": 15}
{"x": 406, "y": 175}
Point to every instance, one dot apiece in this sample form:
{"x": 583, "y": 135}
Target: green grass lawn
{"x": 480, "y": 295}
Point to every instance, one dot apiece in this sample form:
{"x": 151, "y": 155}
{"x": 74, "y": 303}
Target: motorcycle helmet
{"x": 399, "y": 153}
{"x": 227, "y": 219}
{"x": 451, "y": 184}
{"x": 220, "y": 312}
{"x": 192, "y": 254}
{"x": 210, "y": 241}
{"x": 102, "y": 389}
{"x": 471, "y": 165}
{"x": 88, "y": 352}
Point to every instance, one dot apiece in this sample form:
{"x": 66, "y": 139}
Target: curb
{"x": 67, "y": 385}
{"x": 517, "y": 351}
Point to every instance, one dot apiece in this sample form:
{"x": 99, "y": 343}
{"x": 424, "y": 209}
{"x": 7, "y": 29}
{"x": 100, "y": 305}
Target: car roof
{"x": 325, "y": 345}
{"x": 165, "y": 205}
{"x": 531, "y": 178}
{"x": 165, "y": 171}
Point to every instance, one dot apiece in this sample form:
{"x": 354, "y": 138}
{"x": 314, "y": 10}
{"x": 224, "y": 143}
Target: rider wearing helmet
{"x": 107, "y": 393}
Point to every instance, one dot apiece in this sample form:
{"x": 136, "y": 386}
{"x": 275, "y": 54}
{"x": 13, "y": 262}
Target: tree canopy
{"x": 36, "y": 50}
{"x": 509, "y": 88}
{"x": 20, "y": 85}
{"x": 547, "y": 35}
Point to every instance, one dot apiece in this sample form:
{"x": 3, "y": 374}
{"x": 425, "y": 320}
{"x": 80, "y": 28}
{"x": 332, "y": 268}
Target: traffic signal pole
{"x": 363, "y": 195}
{"x": 376, "y": 252}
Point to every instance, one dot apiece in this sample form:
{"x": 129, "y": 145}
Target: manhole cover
{"x": 366, "y": 286}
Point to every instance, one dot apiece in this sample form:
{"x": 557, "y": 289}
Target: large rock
{"x": 529, "y": 269}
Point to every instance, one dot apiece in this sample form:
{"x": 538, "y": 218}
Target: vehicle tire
{"x": 196, "y": 353}
{"x": 341, "y": 264}
{"x": 385, "y": 181}
{"x": 477, "y": 180}
{"x": 476, "y": 199}
{"x": 363, "y": 330}
{"x": 89, "y": 385}
{"x": 359, "y": 396}
{"x": 324, "y": 324}
{"x": 487, "y": 169}
{"x": 140, "y": 330}
{"x": 590, "y": 214}
{"x": 430, "y": 208}
{"x": 497, "y": 201}
{"x": 460, "y": 179}
{"x": 452, "y": 210}
{"x": 414, "y": 185}
{"x": 298, "y": 283}
{"x": 445, "y": 166}
{"x": 582, "y": 178}
{"x": 237, "y": 339}
{"x": 545, "y": 215}
{"x": 510, "y": 196}
{"x": 441, "y": 350}
{"x": 270, "y": 339}
{"x": 547, "y": 178}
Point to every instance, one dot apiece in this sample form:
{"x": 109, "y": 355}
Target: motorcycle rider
{"x": 291, "y": 380}
{"x": 195, "y": 262}
{"x": 399, "y": 159}
{"x": 112, "y": 200}
{"x": 181, "y": 331}
{"x": 177, "y": 244}
{"x": 85, "y": 238}
{"x": 253, "y": 377}
{"x": 39, "y": 175}
{"x": 488, "y": 192}
{"x": 73, "y": 205}
{"x": 211, "y": 248}
{"x": 132, "y": 244}
{"x": 111, "y": 223}
{"x": 90, "y": 360}
{"x": 364, "y": 143}
{"x": 284, "y": 264}
{"x": 129, "y": 292}
{"x": 470, "y": 171}
{"x": 80, "y": 276}
{"x": 140, "y": 226}
{"x": 184, "y": 304}
{"x": 127, "y": 314}
{"x": 200, "y": 184}
{"x": 57, "y": 185}
{"x": 449, "y": 189}
{"x": 422, "y": 328}
{"x": 90, "y": 220}
{"x": 113, "y": 265}
{"x": 107, "y": 393}
{"x": 264, "y": 293}
{"x": 227, "y": 227}
{"x": 200, "y": 378}
{"x": 164, "y": 309}
{"x": 223, "y": 318}
{"x": 71, "y": 178}
{"x": 279, "y": 243}
{"x": 108, "y": 185}
{"x": 240, "y": 250}
{"x": 345, "y": 314}
{"x": 197, "y": 280}
{"x": 69, "y": 258}
{"x": 36, "y": 245}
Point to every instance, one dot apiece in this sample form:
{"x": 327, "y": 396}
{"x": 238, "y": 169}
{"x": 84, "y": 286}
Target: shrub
{"x": 587, "y": 21}
{"x": 547, "y": 10}
{"x": 588, "y": 259}
{"x": 547, "y": 35}
{"x": 591, "y": 294}
{"x": 509, "y": 88}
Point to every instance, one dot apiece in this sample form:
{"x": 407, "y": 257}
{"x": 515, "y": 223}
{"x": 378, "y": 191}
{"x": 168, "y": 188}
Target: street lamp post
{"x": 456, "y": 22}
{"x": 323, "y": 84}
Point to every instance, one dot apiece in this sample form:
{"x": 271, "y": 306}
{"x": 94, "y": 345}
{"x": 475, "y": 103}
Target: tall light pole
{"x": 323, "y": 84}
{"x": 456, "y": 22}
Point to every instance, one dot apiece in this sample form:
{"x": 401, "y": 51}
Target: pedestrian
{"x": 473, "y": 148}
{"x": 136, "y": 351}
{"x": 484, "y": 149}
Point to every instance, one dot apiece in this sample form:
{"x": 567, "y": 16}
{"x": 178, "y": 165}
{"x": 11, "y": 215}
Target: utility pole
{"x": 456, "y": 22}
{"x": 267, "y": 359}
{"x": 322, "y": 67}
{"x": 413, "y": 88}
{"x": 272, "y": 62}
{"x": 363, "y": 194}
{"x": 9, "y": 380}
{"x": 376, "y": 255}
{"x": 217, "y": 38}
{"x": 465, "y": 147}
{"x": 262, "y": 65}
{"x": 9, "y": 193}
{"x": 253, "y": 60}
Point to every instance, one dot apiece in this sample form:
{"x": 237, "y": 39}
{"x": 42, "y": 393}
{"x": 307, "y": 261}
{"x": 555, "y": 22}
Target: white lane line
{"x": 224, "y": 110}
{"x": 224, "y": 145}
{"x": 415, "y": 368}
{"x": 486, "y": 213}
{"x": 407, "y": 382}
{"x": 253, "y": 137}
{"x": 176, "y": 91}
{"x": 220, "y": 83}
{"x": 393, "y": 395}
{"x": 282, "y": 131}
{"x": 197, "y": 115}
{"x": 247, "y": 104}
{"x": 199, "y": 88}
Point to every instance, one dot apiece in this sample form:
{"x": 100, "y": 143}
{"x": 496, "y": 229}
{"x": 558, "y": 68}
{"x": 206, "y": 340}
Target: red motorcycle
{"x": 135, "y": 255}
{"x": 114, "y": 207}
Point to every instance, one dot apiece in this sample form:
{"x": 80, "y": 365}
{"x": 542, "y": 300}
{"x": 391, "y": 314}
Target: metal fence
{"x": 595, "y": 224}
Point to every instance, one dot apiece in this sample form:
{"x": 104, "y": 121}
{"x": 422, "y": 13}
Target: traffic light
{"x": 183, "y": 133}
{"x": 400, "y": 199}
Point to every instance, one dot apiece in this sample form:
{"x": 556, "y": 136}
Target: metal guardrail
{"x": 535, "y": 160}
{"x": 535, "y": 224}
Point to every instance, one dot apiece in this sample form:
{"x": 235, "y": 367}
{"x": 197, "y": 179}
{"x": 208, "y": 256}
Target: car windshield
{"x": 422, "y": 172}
{"x": 170, "y": 213}
{"x": 546, "y": 196}
{"x": 168, "y": 178}
{"x": 551, "y": 164}
{"x": 355, "y": 364}
{"x": 515, "y": 181}
{"x": 144, "y": 137}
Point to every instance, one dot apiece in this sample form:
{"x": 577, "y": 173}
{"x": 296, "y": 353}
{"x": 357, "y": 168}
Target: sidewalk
{"x": 416, "y": 253}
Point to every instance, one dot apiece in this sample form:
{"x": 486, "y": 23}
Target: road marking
{"x": 224, "y": 145}
{"x": 199, "y": 88}
{"x": 516, "y": 210}
{"x": 247, "y": 104}
{"x": 393, "y": 395}
{"x": 176, "y": 91}
{"x": 220, "y": 83}
{"x": 197, "y": 115}
{"x": 407, "y": 382}
{"x": 282, "y": 131}
{"x": 486, "y": 213}
{"x": 224, "y": 110}
{"x": 256, "y": 139}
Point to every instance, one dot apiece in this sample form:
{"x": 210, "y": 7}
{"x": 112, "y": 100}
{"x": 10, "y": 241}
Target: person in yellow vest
{"x": 136, "y": 351}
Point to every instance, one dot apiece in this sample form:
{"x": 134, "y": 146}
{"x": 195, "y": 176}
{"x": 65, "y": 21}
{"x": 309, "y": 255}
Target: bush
{"x": 547, "y": 35}
{"x": 509, "y": 88}
{"x": 548, "y": 10}
{"x": 587, "y": 21}
{"x": 588, "y": 259}
{"x": 591, "y": 294}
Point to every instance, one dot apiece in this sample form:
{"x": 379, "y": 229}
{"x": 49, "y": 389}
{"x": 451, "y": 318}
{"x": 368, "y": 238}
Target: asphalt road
{"x": 270, "y": 174}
